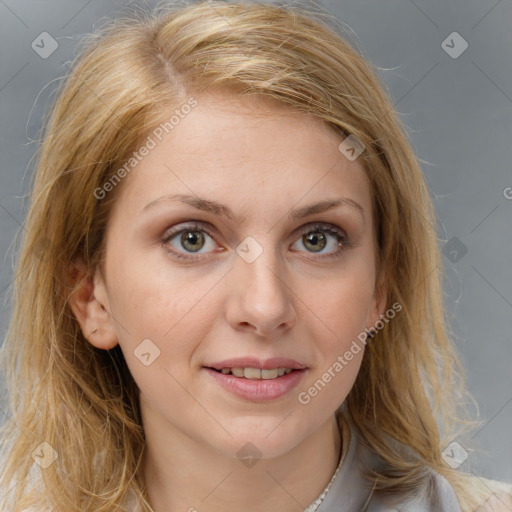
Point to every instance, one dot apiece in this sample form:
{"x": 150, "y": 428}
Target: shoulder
{"x": 437, "y": 495}
{"x": 490, "y": 495}
{"x": 434, "y": 493}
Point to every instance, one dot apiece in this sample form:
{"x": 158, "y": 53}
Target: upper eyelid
{"x": 343, "y": 240}
{"x": 207, "y": 227}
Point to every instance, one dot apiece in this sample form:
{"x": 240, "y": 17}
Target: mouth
{"x": 255, "y": 373}
{"x": 257, "y": 384}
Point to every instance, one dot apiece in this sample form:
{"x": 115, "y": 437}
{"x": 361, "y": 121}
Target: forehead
{"x": 242, "y": 148}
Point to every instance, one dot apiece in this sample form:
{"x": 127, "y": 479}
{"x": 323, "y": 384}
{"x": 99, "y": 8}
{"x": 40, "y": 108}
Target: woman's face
{"x": 187, "y": 288}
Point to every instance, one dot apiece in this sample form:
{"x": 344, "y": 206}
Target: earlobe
{"x": 93, "y": 316}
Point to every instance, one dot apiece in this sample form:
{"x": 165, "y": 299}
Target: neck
{"x": 184, "y": 475}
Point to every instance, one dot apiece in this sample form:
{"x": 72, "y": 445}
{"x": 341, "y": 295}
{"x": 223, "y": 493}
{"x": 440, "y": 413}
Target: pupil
{"x": 192, "y": 238}
{"x": 318, "y": 242}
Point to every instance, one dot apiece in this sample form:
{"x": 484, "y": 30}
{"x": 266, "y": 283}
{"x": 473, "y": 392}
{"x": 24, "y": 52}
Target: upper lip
{"x": 253, "y": 362}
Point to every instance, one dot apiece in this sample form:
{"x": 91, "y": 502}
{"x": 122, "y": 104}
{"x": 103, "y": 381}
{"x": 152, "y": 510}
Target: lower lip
{"x": 258, "y": 390}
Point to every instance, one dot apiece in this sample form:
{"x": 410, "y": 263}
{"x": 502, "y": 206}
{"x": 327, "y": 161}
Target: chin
{"x": 259, "y": 438}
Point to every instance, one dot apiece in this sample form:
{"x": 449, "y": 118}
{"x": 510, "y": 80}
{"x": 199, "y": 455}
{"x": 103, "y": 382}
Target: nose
{"x": 261, "y": 296}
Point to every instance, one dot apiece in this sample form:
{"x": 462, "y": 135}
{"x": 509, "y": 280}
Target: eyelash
{"x": 330, "y": 229}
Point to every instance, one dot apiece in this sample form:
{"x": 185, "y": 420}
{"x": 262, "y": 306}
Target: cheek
{"x": 160, "y": 317}
{"x": 333, "y": 377}
{"x": 340, "y": 316}
{"x": 153, "y": 299}
{"x": 341, "y": 304}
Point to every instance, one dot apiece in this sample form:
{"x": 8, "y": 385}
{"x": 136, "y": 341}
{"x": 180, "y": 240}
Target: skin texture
{"x": 290, "y": 301}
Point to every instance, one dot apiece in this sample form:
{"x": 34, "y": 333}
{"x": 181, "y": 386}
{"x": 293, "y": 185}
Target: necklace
{"x": 314, "y": 506}
{"x": 345, "y": 430}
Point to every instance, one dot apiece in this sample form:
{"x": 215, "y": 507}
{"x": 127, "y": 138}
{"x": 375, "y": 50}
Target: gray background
{"x": 458, "y": 112}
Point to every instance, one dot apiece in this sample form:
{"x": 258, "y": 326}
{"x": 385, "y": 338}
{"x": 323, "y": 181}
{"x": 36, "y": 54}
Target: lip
{"x": 258, "y": 390}
{"x": 253, "y": 362}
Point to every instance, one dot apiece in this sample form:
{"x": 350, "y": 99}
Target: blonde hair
{"x": 127, "y": 78}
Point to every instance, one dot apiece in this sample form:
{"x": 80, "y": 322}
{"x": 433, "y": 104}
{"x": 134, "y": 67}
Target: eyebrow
{"x": 224, "y": 211}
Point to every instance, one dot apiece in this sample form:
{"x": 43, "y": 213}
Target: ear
{"x": 89, "y": 304}
{"x": 379, "y": 300}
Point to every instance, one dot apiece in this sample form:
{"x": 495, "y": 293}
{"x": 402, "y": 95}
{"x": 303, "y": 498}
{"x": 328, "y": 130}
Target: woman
{"x": 232, "y": 280}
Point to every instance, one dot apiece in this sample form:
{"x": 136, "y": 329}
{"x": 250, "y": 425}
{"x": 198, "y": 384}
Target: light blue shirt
{"x": 351, "y": 492}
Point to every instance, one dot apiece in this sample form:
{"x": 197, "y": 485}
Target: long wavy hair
{"x": 125, "y": 80}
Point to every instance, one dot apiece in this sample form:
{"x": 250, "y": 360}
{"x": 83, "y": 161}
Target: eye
{"x": 191, "y": 239}
{"x": 185, "y": 241}
{"x": 316, "y": 238}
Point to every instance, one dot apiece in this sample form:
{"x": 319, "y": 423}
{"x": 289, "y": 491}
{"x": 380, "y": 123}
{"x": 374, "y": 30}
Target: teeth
{"x": 256, "y": 373}
{"x": 270, "y": 374}
{"x": 252, "y": 373}
{"x": 237, "y": 372}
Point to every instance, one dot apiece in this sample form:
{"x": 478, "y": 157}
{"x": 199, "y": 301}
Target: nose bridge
{"x": 260, "y": 266}
{"x": 262, "y": 295}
